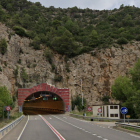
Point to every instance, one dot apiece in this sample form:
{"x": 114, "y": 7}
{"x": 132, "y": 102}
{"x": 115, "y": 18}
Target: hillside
{"x": 71, "y": 31}
{"x": 62, "y": 46}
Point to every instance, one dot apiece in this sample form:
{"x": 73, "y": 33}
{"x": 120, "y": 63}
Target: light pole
{"x": 82, "y": 99}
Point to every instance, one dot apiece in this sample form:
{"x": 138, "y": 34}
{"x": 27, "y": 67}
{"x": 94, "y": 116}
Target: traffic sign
{"x": 8, "y": 108}
{"x": 128, "y": 116}
{"x": 89, "y": 109}
{"x": 100, "y": 110}
{"x": 124, "y": 110}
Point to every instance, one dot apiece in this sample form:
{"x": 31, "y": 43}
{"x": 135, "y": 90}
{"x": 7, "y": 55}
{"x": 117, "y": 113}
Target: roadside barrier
{"x": 104, "y": 119}
{"x": 7, "y": 128}
{"x": 127, "y": 125}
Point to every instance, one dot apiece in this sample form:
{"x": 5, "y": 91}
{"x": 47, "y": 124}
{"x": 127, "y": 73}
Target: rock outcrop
{"x": 98, "y": 69}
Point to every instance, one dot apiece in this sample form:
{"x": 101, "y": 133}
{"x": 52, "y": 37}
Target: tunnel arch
{"x": 24, "y": 93}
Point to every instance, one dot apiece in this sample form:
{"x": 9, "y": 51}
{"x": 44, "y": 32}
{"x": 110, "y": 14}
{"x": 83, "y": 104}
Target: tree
{"x": 4, "y": 99}
{"x": 65, "y": 44}
{"x": 94, "y": 39}
{"x": 122, "y": 89}
{"x": 78, "y": 102}
{"x": 72, "y": 27}
{"x": 56, "y": 23}
{"x": 135, "y": 75}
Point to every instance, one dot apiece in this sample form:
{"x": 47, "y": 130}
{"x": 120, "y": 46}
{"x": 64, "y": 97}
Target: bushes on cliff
{"x": 20, "y": 31}
{"x": 24, "y": 75}
{"x": 3, "y": 46}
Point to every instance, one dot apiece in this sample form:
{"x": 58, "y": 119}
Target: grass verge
{"x": 132, "y": 129}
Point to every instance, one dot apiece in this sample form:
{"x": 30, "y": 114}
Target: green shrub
{"x": 24, "y": 75}
{"x": 122, "y": 40}
{"x": 20, "y": 31}
{"x": 3, "y": 46}
{"x": 57, "y": 78}
{"x": 48, "y": 55}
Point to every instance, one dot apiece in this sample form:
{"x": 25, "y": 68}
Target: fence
{"x": 7, "y": 128}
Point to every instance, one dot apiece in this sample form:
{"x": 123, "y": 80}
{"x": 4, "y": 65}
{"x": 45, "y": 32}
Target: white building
{"x": 108, "y": 111}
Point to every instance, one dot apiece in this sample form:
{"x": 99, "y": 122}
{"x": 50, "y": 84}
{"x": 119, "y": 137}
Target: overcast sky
{"x": 91, "y": 4}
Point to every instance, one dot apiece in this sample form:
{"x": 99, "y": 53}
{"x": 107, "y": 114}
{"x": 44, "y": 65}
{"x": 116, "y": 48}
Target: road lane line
{"x": 80, "y": 128}
{"x": 53, "y": 129}
{"x": 23, "y": 129}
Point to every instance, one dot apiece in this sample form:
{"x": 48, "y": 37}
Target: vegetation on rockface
{"x": 127, "y": 91}
{"x": 24, "y": 75}
{"x": 71, "y": 31}
{"x": 5, "y": 100}
{"x": 78, "y": 102}
{"x": 3, "y": 46}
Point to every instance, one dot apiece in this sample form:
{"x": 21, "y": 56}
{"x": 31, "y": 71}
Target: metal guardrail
{"x": 7, "y": 128}
{"x": 102, "y": 119}
{"x": 127, "y": 125}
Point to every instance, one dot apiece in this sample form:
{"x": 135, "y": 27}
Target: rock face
{"x": 97, "y": 69}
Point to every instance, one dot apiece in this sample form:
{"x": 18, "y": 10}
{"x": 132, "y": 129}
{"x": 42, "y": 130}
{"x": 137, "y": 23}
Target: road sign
{"x": 100, "y": 110}
{"x": 20, "y": 109}
{"x": 8, "y": 108}
{"x": 89, "y": 109}
{"x": 124, "y": 110}
{"x": 128, "y": 116}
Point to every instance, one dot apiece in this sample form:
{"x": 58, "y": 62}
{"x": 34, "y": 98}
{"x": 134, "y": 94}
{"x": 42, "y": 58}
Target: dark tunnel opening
{"x": 43, "y": 103}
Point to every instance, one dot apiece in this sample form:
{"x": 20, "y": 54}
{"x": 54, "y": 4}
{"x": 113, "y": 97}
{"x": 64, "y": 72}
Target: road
{"x": 55, "y": 127}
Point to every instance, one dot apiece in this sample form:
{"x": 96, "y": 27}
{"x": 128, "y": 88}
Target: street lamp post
{"x": 82, "y": 98}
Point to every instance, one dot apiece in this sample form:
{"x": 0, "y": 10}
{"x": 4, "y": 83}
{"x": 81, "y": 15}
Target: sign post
{"x": 89, "y": 109}
{"x": 8, "y": 108}
{"x": 99, "y": 112}
{"x": 128, "y": 116}
{"x": 124, "y": 110}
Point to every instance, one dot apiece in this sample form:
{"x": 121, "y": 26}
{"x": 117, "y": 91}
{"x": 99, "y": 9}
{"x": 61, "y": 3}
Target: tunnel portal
{"x": 43, "y": 99}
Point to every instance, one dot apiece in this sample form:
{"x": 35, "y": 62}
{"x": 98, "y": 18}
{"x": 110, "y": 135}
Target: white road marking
{"x": 50, "y": 118}
{"x": 78, "y": 127}
{"x": 64, "y": 117}
{"x": 99, "y": 136}
{"x": 79, "y": 120}
{"x": 23, "y": 129}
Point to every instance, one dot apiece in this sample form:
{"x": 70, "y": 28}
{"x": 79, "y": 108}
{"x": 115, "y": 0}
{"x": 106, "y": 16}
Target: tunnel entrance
{"x": 43, "y": 103}
{"x": 43, "y": 99}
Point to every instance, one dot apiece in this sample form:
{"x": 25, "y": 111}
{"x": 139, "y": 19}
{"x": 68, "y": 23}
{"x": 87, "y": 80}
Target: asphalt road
{"x": 55, "y": 127}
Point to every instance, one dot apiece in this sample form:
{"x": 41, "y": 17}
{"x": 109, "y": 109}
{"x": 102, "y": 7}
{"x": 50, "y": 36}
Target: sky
{"x": 91, "y": 4}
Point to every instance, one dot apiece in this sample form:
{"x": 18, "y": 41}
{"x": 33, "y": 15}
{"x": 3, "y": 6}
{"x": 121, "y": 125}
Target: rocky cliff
{"x": 97, "y": 69}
